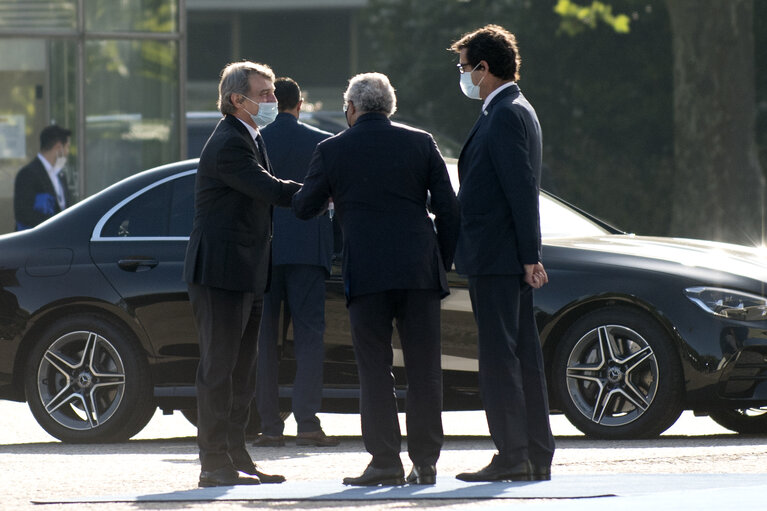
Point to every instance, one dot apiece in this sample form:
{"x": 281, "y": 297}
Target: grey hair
{"x": 371, "y": 92}
{"x": 235, "y": 79}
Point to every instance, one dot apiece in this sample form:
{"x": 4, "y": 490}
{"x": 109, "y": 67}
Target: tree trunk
{"x": 718, "y": 186}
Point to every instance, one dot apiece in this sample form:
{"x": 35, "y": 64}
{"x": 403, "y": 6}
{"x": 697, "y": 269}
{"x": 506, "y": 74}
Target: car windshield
{"x": 559, "y": 221}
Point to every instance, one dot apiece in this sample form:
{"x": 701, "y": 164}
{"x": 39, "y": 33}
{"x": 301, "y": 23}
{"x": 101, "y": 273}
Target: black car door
{"x": 139, "y": 246}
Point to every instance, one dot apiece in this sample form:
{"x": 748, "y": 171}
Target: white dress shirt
{"x": 55, "y": 180}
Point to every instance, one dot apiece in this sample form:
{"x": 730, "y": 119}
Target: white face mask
{"x": 61, "y": 161}
{"x": 267, "y": 112}
{"x": 467, "y": 86}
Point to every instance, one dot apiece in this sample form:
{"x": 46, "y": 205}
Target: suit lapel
{"x": 474, "y": 129}
{"x": 512, "y": 90}
{"x": 258, "y": 148}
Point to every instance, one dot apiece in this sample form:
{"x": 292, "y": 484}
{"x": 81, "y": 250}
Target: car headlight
{"x": 728, "y": 303}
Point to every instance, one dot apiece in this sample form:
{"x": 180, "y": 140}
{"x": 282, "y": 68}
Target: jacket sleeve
{"x": 312, "y": 199}
{"x": 240, "y": 169}
{"x": 511, "y": 162}
{"x": 31, "y": 203}
{"x": 444, "y": 205}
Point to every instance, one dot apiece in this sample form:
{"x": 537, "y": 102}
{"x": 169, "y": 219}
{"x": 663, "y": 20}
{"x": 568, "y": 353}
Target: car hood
{"x": 750, "y": 262}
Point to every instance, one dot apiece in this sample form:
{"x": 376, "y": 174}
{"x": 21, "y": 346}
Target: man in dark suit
{"x": 227, "y": 269}
{"x": 499, "y": 248}
{"x": 301, "y": 254}
{"x": 379, "y": 175}
{"x": 40, "y": 189}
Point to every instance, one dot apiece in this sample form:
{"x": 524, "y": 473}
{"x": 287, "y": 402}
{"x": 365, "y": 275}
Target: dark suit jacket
{"x": 229, "y": 247}
{"x": 290, "y": 144}
{"x": 499, "y": 170}
{"x": 34, "y": 198}
{"x": 379, "y": 174}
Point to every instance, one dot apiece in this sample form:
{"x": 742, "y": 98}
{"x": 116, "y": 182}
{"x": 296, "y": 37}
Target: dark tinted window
{"x": 182, "y": 206}
{"x": 163, "y": 211}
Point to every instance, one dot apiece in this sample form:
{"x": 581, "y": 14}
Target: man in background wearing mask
{"x": 40, "y": 190}
{"x": 499, "y": 248}
{"x": 227, "y": 269}
{"x": 301, "y": 260}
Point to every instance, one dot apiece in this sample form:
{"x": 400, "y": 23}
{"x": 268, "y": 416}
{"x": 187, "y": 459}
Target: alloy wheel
{"x": 612, "y": 375}
{"x": 81, "y": 380}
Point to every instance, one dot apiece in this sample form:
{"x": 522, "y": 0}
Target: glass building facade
{"x": 112, "y": 71}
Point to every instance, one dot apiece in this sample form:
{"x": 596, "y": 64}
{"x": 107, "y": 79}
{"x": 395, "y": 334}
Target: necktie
{"x": 60, "y": 197}
{"x": 262, "y": 150}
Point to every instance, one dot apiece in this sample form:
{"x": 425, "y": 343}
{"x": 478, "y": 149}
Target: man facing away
{"x": 301, "y": 259}
{"x": 499, "y": 248}
{"x": 40, "y": 189}
{"x": 379, "y": 175}
{"x": 227, "y": 269}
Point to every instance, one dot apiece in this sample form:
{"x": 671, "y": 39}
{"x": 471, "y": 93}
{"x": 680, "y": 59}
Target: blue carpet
{"x": 629, "y": 491}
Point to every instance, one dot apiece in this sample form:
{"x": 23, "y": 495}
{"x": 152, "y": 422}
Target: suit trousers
{"x": 227, "y": 323}
{"x": 302, "y": 289}
{"x": 512, "y": 381}
{"x": 416, "y": 313}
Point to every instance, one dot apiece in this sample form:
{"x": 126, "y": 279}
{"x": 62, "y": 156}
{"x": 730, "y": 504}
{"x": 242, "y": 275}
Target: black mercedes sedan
{"x": 96, "y": 330}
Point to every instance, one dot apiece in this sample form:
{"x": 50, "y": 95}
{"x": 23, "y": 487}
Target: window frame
{"x": 96, "y": 235}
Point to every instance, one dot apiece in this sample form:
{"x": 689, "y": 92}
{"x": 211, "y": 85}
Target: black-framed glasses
{"x": 461, "y": 67}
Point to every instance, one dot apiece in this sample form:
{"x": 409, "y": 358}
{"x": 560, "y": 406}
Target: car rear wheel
{"x": 748, "y": 421}
{"x": 87, "y": 380}
{"x": 617, "y": 375}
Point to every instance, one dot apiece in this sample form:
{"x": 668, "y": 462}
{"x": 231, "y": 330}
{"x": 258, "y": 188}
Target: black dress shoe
{"x": 269, "y": 441}
{"x": 422, "y": 474}
{"x": 540, "y": 473}
{"x": 252, "y": 469}
{"x": 498, "y": 471}
{"x": 372, "y": 476}
{"x": 226, "y": 476}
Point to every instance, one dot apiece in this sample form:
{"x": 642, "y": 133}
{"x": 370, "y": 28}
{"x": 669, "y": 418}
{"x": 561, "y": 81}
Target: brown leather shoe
{"x": 316, "y": 438}
{"x": 269, "y": 441}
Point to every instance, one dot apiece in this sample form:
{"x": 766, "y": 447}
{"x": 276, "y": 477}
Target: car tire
{"x": 747, "y": 421}
{"x": 87, "y": 381}
{"x": 617, "y": 375}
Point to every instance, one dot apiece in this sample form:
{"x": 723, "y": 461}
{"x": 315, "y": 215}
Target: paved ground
{"x": 163, "y": 458}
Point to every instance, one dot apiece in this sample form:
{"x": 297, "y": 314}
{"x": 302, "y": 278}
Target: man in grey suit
{"x": 227, "y": 269}
{"x": 380, "y": 176}
{"x": 499, "y": 248}
{"x": 301, "y": 258}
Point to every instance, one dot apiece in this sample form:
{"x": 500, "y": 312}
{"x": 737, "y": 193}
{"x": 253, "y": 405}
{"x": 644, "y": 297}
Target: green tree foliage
{"x": 604, "y": 99}
{"x": 576, "y": 18}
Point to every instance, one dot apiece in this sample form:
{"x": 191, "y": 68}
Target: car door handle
{"x": 136, "y": 264}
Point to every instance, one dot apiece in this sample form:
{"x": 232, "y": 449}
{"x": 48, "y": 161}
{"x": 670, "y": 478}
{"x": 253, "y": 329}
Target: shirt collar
{"x": 495, "y": 93}
{"x": 47, "y": 165}
{"x": 251, "y": 130}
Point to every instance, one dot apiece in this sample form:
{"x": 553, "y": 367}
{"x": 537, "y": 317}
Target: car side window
{"x": 182, "y": 207}
{"x": 163, "y": 211}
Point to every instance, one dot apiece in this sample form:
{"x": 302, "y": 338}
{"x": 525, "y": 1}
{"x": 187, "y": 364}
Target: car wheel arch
{"x": 560, "y": 322}
{"x": 636, "y": 391}
{"x": 101, "y": 393}
{"x": 41, "y": 321}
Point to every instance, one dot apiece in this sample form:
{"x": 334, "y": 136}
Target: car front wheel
{"x": 617, "y": 375}
{"x": 87, "y": 381}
